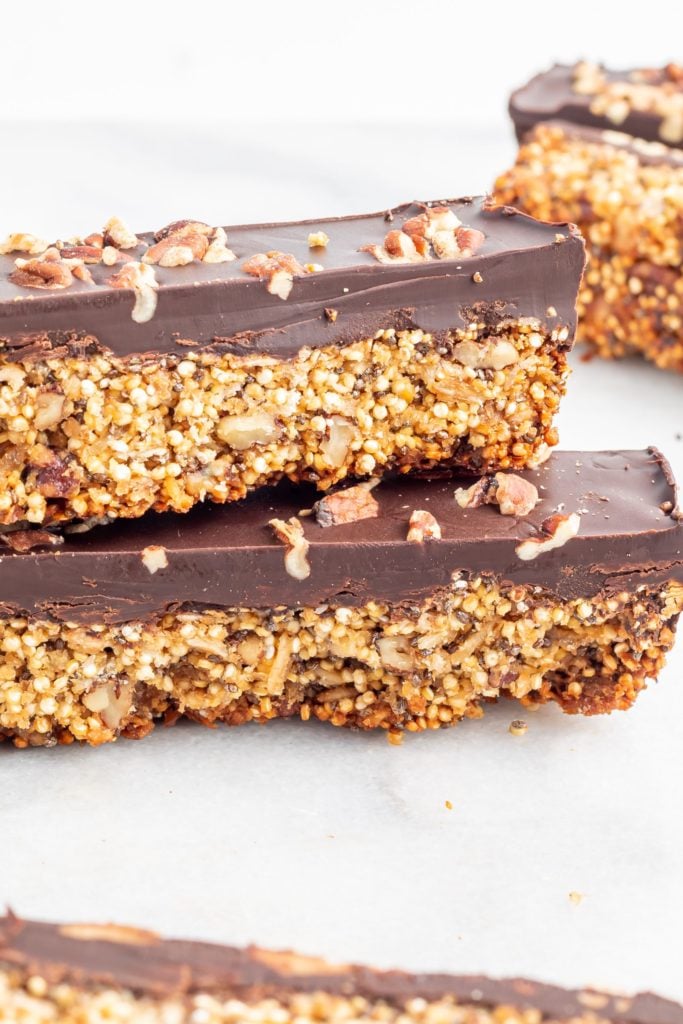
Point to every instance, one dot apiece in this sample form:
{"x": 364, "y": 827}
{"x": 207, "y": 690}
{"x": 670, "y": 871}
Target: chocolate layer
{"x": 87, "y": 956}
{"x": 229, "y": 557}
{"x": 550, "y": 96}
{"x": 522, "y": 267}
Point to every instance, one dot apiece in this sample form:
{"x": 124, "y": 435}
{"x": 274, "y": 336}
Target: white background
{"x": 303, "y": 836}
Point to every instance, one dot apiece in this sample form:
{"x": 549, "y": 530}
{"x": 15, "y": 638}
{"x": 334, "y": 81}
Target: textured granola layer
{"x": 627, "y": 198}
{"x": 412, "y": 667}
{"x": 107, "y": 437}
{"x": 34, "y": 999}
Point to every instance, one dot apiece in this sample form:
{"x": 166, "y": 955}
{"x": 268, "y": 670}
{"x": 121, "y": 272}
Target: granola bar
{"x": 75, "y": 973}
{"x": 157, "y": 371}
{"x": 625, "y": 191}
{"x": 404, "y": 606}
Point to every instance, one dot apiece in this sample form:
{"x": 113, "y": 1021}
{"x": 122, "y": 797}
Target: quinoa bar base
{"x": 99, "y": 437}
{"x": 411, "y": 668}
{"x": 627, "y": 197}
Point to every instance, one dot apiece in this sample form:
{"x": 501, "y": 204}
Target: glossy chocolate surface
{"x": 142, "y": 962}
{"x": 523, "y": 271}
{"x": 228, "y": 556}
{"x": 550, "y": 96}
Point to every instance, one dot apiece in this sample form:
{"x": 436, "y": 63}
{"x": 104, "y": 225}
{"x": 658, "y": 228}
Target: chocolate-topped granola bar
{"x": 76, "y": 973}
{"x": 159, "y": 370}
{"x": 592, "y": 150}
{"x": 403, "y": 606}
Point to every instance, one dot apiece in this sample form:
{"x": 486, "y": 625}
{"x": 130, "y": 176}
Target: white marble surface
{"x": 326, "y": 841}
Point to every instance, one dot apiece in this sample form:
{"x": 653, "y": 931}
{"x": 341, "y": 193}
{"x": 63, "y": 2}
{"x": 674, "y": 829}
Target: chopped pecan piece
{"x": 154, "y": 557}
{"x": 112, "y": 256}
{"x": 291, "y": 533}
{"x": 558, "y": 530}
{"x": 423, "y": 526}
{"x": 336, "y": 445}
{"x": 27, "y": 540}
{"x": 21, "y": 242}
{"x": 178, "y": 228}
{"x": 476, "y": 495}
{"x": 277, "y": 269}
{"x": 434, "y": 219}
{"x": 140, "y": 277}
{"x": 446, "y": 245}
{"x": 438, "y": 227}
{"x": 85, "y": 253}
{"x": 80, "y": 271}
{"x": 47, "y": 273}
{"x": 331, "y": 314}
{"x": 515, "y": 495}
{"x": 243, "y": 432}
{"x": 469, "y": 240}
{"x": 177, "y": 250}
{"x": 347, "y": 506}
{"x": 118, "y": 234}
{"x": 218, "y": 251}
{"x": 49, "y": 408}
{"x": 112, "y": 701}
{"x": 396, "y": 653}
{"x": 398, "y": 247}
{"x": 494, "y": 355}
{"x": 56, "y": 480}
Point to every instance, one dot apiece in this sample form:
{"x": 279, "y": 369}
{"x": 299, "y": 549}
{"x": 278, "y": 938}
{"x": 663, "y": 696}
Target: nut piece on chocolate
{"x": 514, "y": 495}
{"x": 167, "y": 348}
{"x": 291, "y": 533}
{"x": 422, "y": 526}
{"x": 68, "y": 973}
{"x": 347, "y": 506}
{"x": 557, "y": 530}
{"x": 408, "y": 620}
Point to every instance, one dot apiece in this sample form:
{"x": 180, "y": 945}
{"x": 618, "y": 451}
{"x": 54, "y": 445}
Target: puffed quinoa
{"x": 395, "y": 667}
{"x": 104, "y": 435}
{"x": 626, "y": 195}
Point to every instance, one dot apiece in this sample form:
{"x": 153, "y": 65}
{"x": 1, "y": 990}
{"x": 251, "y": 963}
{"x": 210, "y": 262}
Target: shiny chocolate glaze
{"x": 228, "y": 556}
{"x": 522, "y": 271}
{"x": 550, "y": 96}
{"x": 89, "y": 956}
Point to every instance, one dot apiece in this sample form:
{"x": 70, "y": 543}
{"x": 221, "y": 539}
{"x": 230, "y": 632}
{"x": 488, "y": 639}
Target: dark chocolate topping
{"x": 550, "y": 95}
{"x": 227, "y": 556}
{"x": 522, "y": 267}
{"x": 145, "y": 964}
